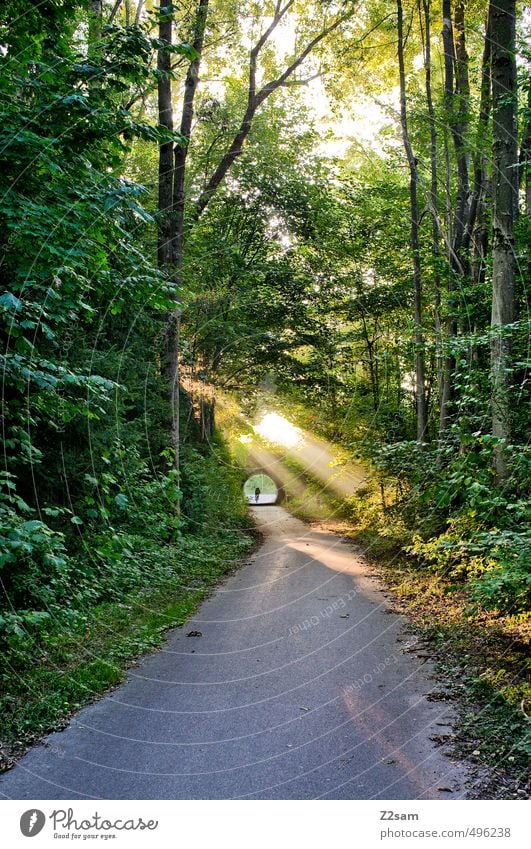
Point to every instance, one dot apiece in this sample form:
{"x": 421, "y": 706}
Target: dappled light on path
{"x": 337, "y": 559}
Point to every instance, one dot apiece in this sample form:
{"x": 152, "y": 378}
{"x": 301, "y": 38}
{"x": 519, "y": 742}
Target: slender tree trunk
{"x": 165, "y": 110}
{"x": 460, "y": 129}
{"x": 138, "y": 13}
{"x": 434, "y": 202}
{"x": 448, "y": 369}
{"x": 373, "y": 373}
{"x": 420, "y": 387}
{"x": 525, "y": 157}
{"x": 181, "y": 150}
{"x": 94, "y": 34}
{"x": 505, "y": 210}
{"x": 95, "y": 21}
{"x": 173, "y": 248}
{"x": 480, "y": 152}
{"x": 171, "y": 342}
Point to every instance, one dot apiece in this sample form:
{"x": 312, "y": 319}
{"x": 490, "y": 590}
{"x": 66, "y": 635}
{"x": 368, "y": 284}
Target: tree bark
{"x": 165, "y": 110}
{"x": 480, "y": 154}
{"x": 456, "y": 217}
{"x": 525, "y": 157}
{"x": 172, "y": 194}
{"x": 460, "y": 127}
{"x": 165, "y": 185}
{"x": 505, "y": 210}
{"x": 95, "y": 27}
{"x": 181, "y": 150}
{"x": 420, "y": 382}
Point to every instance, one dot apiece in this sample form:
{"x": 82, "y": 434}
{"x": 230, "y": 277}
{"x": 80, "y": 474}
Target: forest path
{"x": 301, "y": 685}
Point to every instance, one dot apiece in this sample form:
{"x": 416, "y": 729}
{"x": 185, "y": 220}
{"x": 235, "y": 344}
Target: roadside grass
{"x": 68, "y": 668}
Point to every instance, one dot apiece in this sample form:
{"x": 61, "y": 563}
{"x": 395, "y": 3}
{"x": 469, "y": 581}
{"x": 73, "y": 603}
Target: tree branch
{"x": 268, "y": 88}
{"x": 305, "y": 81}
{"x": 139, "y": 11}
{"x": 277, "y": 17}
{"x": 254, "y": 100}
{"x": 114, "y": 12}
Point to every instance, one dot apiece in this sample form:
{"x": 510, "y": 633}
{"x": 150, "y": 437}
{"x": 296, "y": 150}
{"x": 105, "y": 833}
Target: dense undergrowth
{"x": 151, "y": 574}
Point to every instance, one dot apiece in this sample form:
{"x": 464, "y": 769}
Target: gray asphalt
{"x": 302, "y": 685}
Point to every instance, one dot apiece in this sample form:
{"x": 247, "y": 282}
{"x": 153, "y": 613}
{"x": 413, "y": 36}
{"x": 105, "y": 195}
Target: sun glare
{"x": 277, "y": 429}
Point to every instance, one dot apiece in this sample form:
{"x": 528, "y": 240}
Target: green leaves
{"x": 10, "y": 303}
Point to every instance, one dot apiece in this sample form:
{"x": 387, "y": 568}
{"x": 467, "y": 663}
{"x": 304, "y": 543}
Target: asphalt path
{"x": 299, "y": 683}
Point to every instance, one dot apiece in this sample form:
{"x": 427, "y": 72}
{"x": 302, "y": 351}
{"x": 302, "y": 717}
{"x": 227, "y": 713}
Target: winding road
{"x": 299, "y": 683}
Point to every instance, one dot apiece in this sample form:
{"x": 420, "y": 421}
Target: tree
{"x": 420, "y": 381}
{"x": 256, "y": 96}
{"x": 505, "y": 198}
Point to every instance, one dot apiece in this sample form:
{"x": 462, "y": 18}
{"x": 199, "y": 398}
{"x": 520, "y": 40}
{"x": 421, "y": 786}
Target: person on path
{"x": 256, "y": 494}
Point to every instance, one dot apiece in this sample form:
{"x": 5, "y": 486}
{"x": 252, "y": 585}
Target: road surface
{"x": 301, "y": 685}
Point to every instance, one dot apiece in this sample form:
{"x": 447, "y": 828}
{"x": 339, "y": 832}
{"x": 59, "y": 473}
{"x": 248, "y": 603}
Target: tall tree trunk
{"x": 433, "y": 202}
{"x": 165, "y": 111}
{"x": 448, "y": 361}
{"x": 164, "y": 251}
{"x": 456, "y": 101}
{"x": 181, "y": 150}
{"x": 95, "y": 27}
{"x": 174, "y": 195}
{"x": 505, "y": 209}
{"x": 477, "y": 228}
{"x": 460, "y": 128}
{"x": 525, "y": 157}
{"x": 373, "y": 369}
{"x": 95, "y": 20}
{"x": 420, "y": 383}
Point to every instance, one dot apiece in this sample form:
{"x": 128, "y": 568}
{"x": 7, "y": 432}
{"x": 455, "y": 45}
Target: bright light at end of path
{"x": 277, "y": 429}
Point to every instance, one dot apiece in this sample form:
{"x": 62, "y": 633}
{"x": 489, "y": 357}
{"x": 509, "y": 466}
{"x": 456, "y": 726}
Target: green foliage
{"x": 459, "y": 522}
{"x": 62, "y": 662}
{"x": 88, "y": 502}
{"x": 297, "y": 279}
